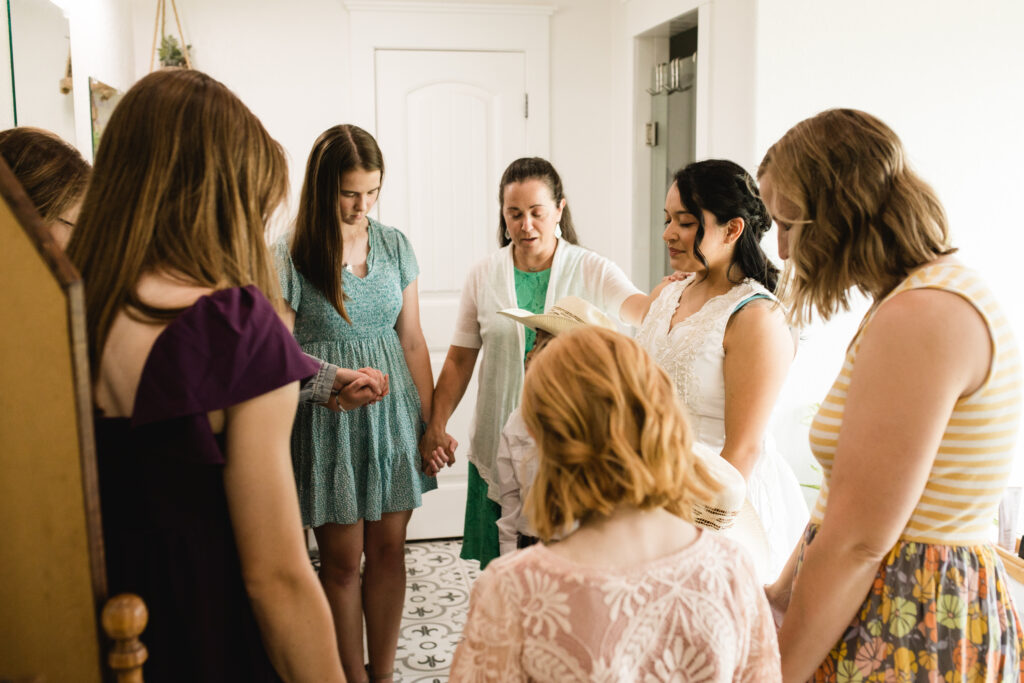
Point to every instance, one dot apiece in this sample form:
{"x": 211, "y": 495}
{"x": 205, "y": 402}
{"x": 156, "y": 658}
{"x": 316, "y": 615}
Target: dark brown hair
{"x": 186, "y": 178}
{"x": 727, "y": 191}
{"x": 534, "y": 168}
{"x": 317, "y": 245}
{"x": 53, "y": 172}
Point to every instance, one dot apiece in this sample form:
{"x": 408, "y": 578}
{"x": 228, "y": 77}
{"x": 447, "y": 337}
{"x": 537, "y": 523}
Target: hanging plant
{"x": 171, "y": 54}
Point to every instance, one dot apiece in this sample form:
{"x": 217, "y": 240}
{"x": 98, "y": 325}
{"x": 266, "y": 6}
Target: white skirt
{"x": 775, "y": 495}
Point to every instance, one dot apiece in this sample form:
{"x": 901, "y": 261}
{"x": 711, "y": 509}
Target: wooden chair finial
{"x": 124, "y": 618}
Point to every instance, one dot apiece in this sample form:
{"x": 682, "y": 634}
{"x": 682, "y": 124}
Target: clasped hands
{"x": 356, "y": 388}
{"x": 437, "y": 450}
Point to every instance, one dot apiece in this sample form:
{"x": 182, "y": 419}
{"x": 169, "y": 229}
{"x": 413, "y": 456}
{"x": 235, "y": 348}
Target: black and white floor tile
{"x": 436, "y": 604}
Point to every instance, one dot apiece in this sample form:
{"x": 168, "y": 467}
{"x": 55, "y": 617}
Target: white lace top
{"x": 697, "y": 615}
{"x": 693, "y": 354}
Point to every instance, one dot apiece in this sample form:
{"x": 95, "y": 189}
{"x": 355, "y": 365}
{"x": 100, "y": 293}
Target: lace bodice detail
{"x": 692, "y": 353}
{"x": 696, "y": 615}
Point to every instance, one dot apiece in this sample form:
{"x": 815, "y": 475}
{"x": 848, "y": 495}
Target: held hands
{"x": 437, "y": 449}
{"x": 356, "y": 388}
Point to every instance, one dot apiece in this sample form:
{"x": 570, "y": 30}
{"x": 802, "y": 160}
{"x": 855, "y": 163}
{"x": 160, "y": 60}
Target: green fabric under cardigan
{"x": 480, "y": 529}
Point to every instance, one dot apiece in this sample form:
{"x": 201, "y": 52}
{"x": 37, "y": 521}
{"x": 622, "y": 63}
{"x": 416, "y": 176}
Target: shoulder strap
{"x": 750, "y": 298}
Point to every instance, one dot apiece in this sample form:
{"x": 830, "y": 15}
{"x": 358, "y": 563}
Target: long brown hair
{"x": 610, "y": 429}
{"x": 317, "y": 247}
{"x": 534, "y": 168}
{"x": 862, "y": 218}
{"x": 53, "y": 173}
{"x": 185, "y": 180}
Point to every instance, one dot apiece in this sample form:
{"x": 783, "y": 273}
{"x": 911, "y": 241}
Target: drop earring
{"x": 558, "y": 229}
{"x": 507, "y": 236}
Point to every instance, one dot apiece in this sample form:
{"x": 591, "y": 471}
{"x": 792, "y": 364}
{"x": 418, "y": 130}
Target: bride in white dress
{"x": 724, "y": 341}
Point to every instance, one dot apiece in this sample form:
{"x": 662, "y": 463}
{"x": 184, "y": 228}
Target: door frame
{"x": 452, "y": 26}
{"x": 648, "y": 32}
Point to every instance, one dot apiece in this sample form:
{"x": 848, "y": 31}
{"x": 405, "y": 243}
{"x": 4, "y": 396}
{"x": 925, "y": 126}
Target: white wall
{"x": 288, "y": 61}
{"x": 582, "y": 67}
{"x": 40, "y": 36}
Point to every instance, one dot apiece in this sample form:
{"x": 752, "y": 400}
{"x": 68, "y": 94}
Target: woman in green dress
{"x": 539, "y": 263}
{"x": 351, "y": 283}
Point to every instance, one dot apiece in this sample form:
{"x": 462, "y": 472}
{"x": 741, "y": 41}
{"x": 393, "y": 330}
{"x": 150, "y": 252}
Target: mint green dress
{"x": 480, "y": 530}
{"x": 362, "y": 463}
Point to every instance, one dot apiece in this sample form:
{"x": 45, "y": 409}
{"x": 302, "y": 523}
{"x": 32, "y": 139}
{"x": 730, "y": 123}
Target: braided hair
{"x": 727, "y": 191}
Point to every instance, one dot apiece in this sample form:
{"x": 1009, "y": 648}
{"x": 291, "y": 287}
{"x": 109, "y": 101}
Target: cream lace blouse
{"x": 696, "y": 615}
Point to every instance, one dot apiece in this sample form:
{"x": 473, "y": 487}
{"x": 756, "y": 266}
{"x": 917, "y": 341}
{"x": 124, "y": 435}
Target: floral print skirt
{"x": 934, "y": 613}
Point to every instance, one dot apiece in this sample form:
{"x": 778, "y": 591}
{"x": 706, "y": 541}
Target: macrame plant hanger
{"x": 159, "y": 28}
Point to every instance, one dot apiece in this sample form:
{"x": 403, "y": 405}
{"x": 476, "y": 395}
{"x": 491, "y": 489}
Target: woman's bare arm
{"x": 451, "y": 385}
{"x": 908, "y": 376}
{"x": 289, "y": 604}
{"x": 758, "y": 353}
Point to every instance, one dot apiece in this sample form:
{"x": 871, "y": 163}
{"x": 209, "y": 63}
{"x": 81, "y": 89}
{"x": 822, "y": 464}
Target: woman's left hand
{"x": 365, "y": 389}
{"x": 436, "y": 460}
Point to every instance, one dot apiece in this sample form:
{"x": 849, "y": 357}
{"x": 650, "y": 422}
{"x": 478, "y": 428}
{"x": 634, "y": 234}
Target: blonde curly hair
{"x": 610, "y": 430}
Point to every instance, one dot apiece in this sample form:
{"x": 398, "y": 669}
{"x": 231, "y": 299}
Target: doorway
{"x": 670, "y": 83}
{"x": 448, "y": 122}
{"x": 673, "y": 131}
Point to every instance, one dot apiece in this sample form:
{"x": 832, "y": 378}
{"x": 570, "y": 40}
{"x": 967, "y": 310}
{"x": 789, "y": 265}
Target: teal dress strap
{"x": 750, "y": 298}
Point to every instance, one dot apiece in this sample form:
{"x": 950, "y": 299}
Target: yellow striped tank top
{"x": 975, "y": 457}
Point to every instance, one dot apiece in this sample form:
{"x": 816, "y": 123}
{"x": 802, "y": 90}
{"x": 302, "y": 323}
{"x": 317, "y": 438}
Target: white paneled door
{"x": 448, "y": 122}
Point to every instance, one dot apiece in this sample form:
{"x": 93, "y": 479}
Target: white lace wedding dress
{"x": 693, "y": 356}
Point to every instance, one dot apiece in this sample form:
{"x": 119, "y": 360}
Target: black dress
{"x": 166, "y": 527}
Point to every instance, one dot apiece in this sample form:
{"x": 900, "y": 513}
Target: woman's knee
{"x": 340, "y": 571}
{"x": 390, "y": 551}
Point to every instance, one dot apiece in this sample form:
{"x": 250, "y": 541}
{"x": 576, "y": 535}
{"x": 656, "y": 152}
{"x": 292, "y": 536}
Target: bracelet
{"x": 337, "y": 400}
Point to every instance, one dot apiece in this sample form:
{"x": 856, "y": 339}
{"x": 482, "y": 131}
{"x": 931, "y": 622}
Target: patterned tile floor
{"x": 436, "y": 603}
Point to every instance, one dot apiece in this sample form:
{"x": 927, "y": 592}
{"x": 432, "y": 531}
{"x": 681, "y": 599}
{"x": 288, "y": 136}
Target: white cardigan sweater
{"x": 489, "y": 288}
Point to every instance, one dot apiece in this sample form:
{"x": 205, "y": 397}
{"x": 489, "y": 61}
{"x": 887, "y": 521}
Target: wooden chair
{"x": 52, "y": 576}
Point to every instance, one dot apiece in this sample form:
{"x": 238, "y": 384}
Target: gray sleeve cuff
{"x": 318, "y": 388}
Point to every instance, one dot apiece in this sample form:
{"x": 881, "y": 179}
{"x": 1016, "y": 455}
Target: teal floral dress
{"x": 365, "y": 462}
{"x": 480, "y": 529}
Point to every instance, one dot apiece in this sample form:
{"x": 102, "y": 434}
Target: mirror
{"x": 102, "y": 100}
{"x": 41, "y": 67}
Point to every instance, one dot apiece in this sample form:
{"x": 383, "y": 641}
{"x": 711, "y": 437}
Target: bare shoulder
{"x": 758, "y": 322}
{"x": 130, "y": 341}
{"x": 928, "y": 314}
{"x": 937, "y": 329}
